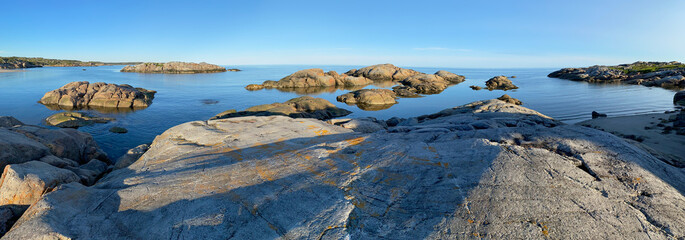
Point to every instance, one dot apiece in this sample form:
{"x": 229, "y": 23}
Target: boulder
{"x": 679, "y": 98}
{"x": 25, "y": 183}
{"x": 64, "y": 143}
{"x": 405, "y": 91}
{"x": 369, "y": 97}
{"x": 506, "y": 98}
{"x": 450, "y": 77}
{"x": 301, "y": 107}
{"x": 679, "y": 121}
{"x": 131, "y": 156}
{"x": 76, "y": 95}
{"x": 174, "y": 67}
{"x": 74, "y": 120}
{"x": 598, "y": 115}
{"x": 475, "y": 87}
{"x": 383, "y": 72}
{"x": 426, "y": 83}
{"x": 501, "y": 83}
{"x": 525, "y": 176}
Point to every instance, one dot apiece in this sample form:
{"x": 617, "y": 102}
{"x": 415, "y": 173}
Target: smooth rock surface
{"x": 174, "y": 67}
{"x": 301, "y": 107}
{"x": 7, "y": 121}
{"x": 519, "y": 175}
{"x": 76, "y": 95}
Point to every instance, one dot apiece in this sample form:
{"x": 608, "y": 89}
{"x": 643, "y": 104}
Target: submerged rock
{"x": 74, "y": 120}
{"x": 500, "y": 83}
{"x": 118, "y": 130}
{"x": 508, "y": 99}
{"x": 488, "y": 169}
{"x": 301, "y": 107}
{"x": 174, "y": 67}
{"x": 76, "y": 95}
{"x": 475, "y": 87}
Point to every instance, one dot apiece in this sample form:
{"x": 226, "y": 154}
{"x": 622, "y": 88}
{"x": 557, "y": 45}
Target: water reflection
{"x": 108, "y": 110}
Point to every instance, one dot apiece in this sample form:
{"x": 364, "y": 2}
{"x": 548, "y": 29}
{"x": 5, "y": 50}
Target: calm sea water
{"x": 182, "y": 98}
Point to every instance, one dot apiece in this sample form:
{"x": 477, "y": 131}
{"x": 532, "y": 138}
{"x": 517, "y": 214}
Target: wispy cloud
{"x": 442, "y": 49}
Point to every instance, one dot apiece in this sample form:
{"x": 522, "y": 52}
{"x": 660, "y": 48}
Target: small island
{"x": 650, "y": 74}
{"x": 176, "y": 68}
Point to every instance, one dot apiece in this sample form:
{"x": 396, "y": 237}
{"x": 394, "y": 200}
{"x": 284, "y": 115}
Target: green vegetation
{"x": 55, "y": 62}
{"x": 647, "y": 67}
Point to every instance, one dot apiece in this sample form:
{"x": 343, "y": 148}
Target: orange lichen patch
{"x": 355, "y": 141}
{"x": 263, "y": 171}
{"x": 545, "y": 230}
{"x": 470, "y": 220}
{"x": 358, "y": 203}
{"x": 358, "y": 153}
{"x": 322, "y": 132}
{"x": 311, "y": 127}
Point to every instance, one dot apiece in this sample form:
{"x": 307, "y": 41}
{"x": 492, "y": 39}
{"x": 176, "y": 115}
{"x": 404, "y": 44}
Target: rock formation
{"x": 488, "y": 169}
{"x": 370, "y": 99}
{"x": 74, "y": 120}
{"x": 313, "y": 78}
{"x": 36, "y": 160}
{"x": 500, "y": 83}
{"x": 383, "y": 72}
{"x": 76, "y": 95}
{"x": 508, "y": 99}
{"x": 659, "y": 74}
{"x": 174, "y": 67}
{"x": 301, "y": 107}
{"x": 413, "y": 82}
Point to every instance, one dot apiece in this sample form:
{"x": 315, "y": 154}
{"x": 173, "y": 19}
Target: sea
{"x": 182, "y": 98}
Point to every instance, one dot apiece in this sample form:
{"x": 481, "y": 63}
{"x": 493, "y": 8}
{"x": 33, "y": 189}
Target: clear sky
{"x": 512, "y": 33}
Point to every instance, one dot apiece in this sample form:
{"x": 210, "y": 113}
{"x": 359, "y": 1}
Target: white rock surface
{"x": 484, "y": 170}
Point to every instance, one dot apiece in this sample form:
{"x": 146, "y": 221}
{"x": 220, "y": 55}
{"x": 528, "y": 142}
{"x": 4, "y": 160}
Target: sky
{"x": 467, "y": 34}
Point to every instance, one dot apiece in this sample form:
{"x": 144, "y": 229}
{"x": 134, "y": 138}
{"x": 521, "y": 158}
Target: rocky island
{"x": 411, "y": 82}
{"x": 488, "y": 169}
{"x": 650, "y": 74}
{"x": 175, "y": 68}
{"x": 77, "y": 95}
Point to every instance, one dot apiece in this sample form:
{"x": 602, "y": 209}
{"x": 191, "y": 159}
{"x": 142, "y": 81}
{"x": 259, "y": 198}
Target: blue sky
{"x": 454, "y": 33}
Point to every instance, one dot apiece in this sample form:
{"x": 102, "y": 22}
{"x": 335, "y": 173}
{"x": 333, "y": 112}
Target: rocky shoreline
{"x": 650, "y": 74}
{"x": 489, "y": 169}
{"x": 23, "y": 62}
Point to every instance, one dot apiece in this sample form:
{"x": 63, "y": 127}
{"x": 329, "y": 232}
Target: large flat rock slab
{"x": 484, "y": 170}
